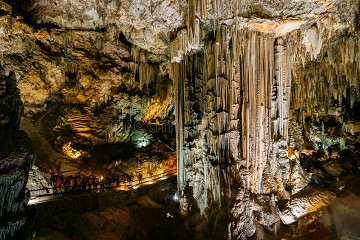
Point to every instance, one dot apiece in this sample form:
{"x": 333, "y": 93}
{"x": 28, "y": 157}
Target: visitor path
{"x": 37, "y": 196}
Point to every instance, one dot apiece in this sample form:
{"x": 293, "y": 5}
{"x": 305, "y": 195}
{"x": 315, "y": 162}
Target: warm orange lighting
{"x": 290, "y": 154}
{"x": 70, "y": 151}
{"x": 155, "y": 108}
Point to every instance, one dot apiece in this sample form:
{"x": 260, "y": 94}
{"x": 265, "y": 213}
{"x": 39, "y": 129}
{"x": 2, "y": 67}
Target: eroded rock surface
{"x": 308, "y": 201}
{"x": 142, "y": 22}
{"x": 16, "y": 158}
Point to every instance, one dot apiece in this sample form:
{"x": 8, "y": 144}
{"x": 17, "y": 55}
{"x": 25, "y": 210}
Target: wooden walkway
{"x": 53, "y": 194}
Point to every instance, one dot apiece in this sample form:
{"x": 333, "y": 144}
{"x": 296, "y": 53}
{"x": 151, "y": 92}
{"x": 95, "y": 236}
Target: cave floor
{"x": 152, "y": 216}
{"x": 146, "y": 218}
{"x": 156, "y": 216}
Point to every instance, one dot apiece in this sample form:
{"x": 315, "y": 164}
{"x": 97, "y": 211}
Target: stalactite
{"x": 246, "y": 106}
{"x": 243, "y": 81}
{"x": 147, "y": 74}
{"x": 244, "y": 88}
{"x": 177, "y": 71}
{"x": 335, "y": 69}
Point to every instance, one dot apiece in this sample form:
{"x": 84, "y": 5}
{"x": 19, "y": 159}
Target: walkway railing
{"x": 53, "y": 193}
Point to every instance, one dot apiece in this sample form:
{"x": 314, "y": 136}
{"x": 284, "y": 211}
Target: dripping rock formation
{"x": 260, "y": 89}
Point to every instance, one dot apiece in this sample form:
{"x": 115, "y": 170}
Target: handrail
{"x": 130, "y": 184}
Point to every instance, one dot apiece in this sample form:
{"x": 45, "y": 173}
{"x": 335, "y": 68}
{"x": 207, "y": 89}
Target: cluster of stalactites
{"x": 213, "y": 9}
{"x": 243, "y": 99}
{"x": 146, "y": 70}
{"x": 325, "y": 82}
{"x": 201, "y": 13}
{"x": 251, "y": 87}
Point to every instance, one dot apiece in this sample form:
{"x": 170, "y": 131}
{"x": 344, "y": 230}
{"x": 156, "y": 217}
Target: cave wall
{"x": 245, "y": 76}
{"x": 331, "y": 81}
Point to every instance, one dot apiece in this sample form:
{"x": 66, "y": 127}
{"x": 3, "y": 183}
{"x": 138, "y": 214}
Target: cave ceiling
{"x": 81, "y": 51}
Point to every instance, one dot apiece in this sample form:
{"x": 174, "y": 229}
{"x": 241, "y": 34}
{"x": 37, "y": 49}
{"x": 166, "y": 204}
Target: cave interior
{"x": 243, "y": 114}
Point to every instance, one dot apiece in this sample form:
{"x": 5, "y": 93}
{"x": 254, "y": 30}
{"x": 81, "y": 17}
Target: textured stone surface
{"x": 241, "y": 99}
{"x": 142, "y": 22}
{"x": 249, "y": 212}
{"x": 16, "y": 158}
{"x": 308, "y": 201}
{"x": 69, "y": 55}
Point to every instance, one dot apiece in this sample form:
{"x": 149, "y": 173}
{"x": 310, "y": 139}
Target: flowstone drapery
{"x": 233, "y": 104}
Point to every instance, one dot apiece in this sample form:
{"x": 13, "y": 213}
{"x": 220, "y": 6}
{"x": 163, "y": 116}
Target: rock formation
{"x": 243, "y": 81}
{"x": 16, "y": 158}
{"x": 301, "y": 204}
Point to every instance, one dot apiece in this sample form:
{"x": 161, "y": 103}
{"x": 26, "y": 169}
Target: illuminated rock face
{"x": 234, "y": 118}
{"x": 101, "y": 57}
{"x": 301, "y": 204}
{"x": 144, "y": 23}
